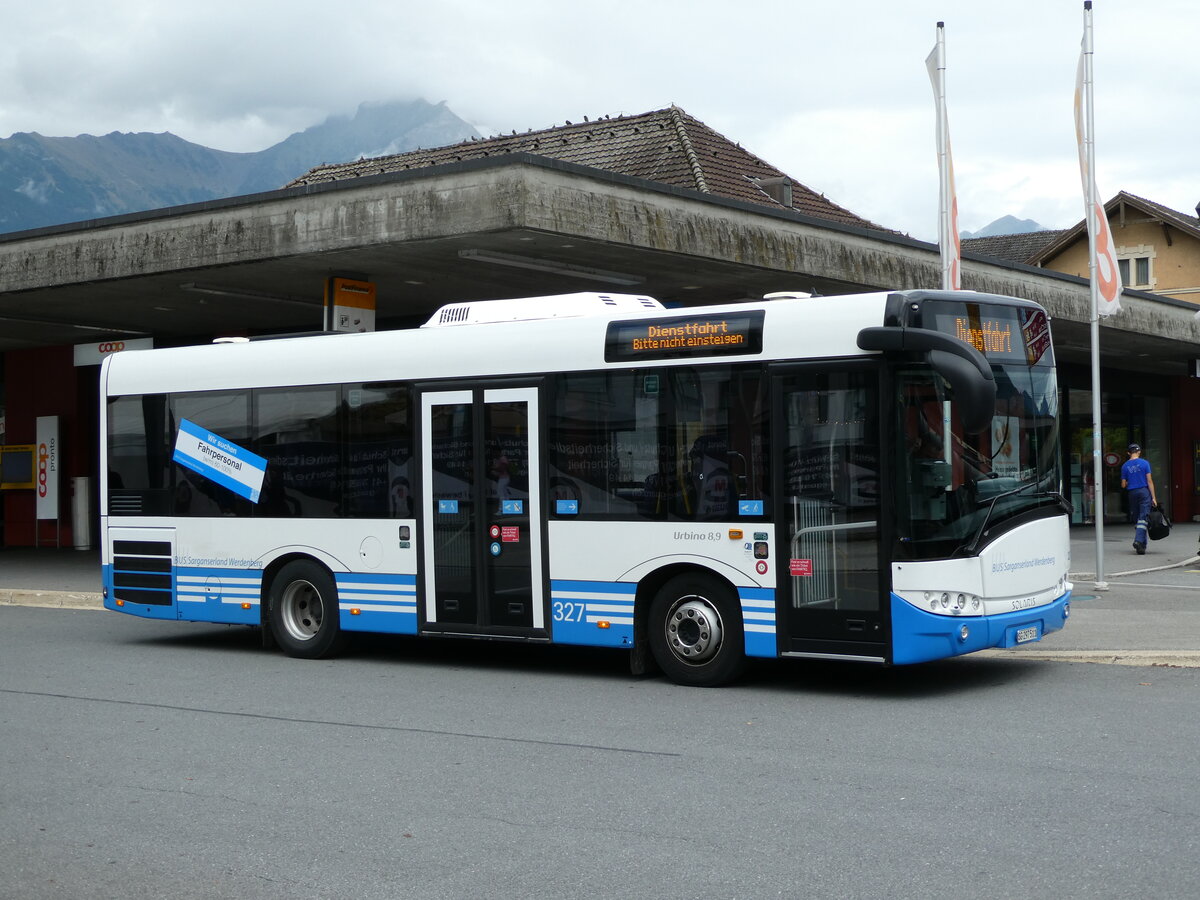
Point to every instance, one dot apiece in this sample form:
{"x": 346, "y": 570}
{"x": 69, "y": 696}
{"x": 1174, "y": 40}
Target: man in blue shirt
{"x": 1136, "y": 478}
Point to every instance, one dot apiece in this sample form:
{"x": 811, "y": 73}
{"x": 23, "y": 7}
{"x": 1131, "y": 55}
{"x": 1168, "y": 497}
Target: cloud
{"x": 834, "y": 94}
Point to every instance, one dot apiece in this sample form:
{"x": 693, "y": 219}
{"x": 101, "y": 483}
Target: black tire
{"x": 696, "y": 632}
{"x": 304, "y": 610}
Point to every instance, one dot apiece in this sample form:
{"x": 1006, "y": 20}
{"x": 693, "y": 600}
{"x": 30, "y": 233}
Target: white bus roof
{"x": 503, "y": 338}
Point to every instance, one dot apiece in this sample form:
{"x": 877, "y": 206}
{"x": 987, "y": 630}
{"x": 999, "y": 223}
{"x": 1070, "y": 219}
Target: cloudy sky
{"x": 834, "y": 93}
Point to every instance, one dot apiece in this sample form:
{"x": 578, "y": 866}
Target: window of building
{"x": 1135, "y": 266}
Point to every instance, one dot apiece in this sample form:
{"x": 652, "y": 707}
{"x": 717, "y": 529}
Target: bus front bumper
{"x": 919, "y": 636}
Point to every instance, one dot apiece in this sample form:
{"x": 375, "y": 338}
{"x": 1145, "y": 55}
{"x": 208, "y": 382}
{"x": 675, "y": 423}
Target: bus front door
{"x": 830, "y": 598}
{"x": 482, "y": 522}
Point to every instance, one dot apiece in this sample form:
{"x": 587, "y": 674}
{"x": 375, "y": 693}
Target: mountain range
{"x": 55, "y": 180}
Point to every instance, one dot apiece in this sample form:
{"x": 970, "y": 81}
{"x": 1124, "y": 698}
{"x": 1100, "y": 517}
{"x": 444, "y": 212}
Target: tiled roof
{"x": 667, "y": 146}
{"x": 1164, "y": 212}
{"x": 1013, "y": 247}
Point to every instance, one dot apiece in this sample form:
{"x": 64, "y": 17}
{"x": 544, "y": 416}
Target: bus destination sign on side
{"x": 222, "y": 462}
{"x": 724, "y": 334}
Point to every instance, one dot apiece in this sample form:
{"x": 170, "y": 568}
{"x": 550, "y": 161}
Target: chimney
{"x": 778, "y": 188}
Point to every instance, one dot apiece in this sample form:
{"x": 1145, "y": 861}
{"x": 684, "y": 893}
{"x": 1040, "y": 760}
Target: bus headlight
{"x": 964, "y": 633}
{"x": 948, "y": 603}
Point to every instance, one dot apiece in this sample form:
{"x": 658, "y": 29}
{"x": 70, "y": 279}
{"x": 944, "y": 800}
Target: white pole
{"x": 937, "y": 74}
{"x": 1092, "y": 224}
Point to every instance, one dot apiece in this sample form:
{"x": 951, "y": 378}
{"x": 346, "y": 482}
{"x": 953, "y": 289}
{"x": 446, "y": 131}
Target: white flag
{"x": 948, "y": 239}
{"x": 1105, "y": 274}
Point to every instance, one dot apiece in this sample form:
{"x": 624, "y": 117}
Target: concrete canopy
{"x": 509, "y": 226}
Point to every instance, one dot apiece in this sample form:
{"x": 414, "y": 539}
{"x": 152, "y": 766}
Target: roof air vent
{"x": 558, "y": 306}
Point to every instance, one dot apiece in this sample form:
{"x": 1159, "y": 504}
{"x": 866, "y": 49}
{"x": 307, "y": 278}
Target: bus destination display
{"x": 727, "y": 334}
{"x": 998, "y": 332}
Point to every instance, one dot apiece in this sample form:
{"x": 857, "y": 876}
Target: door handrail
{"x": 846, "y": 526}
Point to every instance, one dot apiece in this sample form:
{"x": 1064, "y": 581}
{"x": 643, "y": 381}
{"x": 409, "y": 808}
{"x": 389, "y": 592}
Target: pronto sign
{"x": 219, "y": 460}
{"x": 723, "y": 334}
{"x": 46, "y": 459}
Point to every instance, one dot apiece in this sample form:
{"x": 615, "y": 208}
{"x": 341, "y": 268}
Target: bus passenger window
{"x": 296, "y": 430}
{"x": 226, "y": 414}
{"x": 378, "y": 452}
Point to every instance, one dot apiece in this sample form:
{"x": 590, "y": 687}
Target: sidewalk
{"x": 1107, "y": 624}
{"x": 1146, "y": 612}
{"x": 1119, "y": 558}
{"x": 48, "y": 576}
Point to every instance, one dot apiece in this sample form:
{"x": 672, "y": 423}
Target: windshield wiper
{"x": 972, "y": 547}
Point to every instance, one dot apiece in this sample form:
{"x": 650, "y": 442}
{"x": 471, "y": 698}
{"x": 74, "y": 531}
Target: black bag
{"x": 1158, "y": 526}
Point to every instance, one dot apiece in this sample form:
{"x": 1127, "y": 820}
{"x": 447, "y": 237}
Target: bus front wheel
{"x": 304, "y": 610}
{"x": 696, "y": 631}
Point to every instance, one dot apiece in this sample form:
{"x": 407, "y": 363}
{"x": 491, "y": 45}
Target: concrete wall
{"x": 471, "y": 199}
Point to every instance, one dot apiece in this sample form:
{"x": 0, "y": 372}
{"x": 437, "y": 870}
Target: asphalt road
{"x": 144, "y": 759}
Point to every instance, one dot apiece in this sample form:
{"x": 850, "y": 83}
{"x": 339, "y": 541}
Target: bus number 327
{"x": 568, "y": 611}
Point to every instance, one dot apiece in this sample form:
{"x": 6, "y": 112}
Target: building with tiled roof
{"x": 1158, "y": 248}
{"x": 666, "y": 146}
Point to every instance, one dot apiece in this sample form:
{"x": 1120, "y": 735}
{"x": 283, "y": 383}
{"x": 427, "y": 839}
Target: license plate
{"x": 1024, "y": 635}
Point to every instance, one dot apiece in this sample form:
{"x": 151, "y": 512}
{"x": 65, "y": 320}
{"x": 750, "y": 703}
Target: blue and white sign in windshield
{"x": 219, "y": 460}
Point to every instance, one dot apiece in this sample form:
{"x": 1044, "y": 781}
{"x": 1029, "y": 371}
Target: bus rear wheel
{"x": 304, "y": 610}
{"x": 696, "y": 631}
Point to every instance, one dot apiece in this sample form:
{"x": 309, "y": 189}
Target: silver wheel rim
{"x": 693, "y": 629}
{"x": 301, "y": 610}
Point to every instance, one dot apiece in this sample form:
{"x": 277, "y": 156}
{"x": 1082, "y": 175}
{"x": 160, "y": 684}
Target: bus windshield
{"x": 956, "y": 485}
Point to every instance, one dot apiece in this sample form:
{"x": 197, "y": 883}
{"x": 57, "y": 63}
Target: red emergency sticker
{"x": 800, "y": 566}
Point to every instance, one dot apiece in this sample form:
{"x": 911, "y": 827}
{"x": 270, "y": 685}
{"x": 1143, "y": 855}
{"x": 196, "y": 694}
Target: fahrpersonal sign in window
{"x": 727, "y": 334}
{"x": 222, "y": 462}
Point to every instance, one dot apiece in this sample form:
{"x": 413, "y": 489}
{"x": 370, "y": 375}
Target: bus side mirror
{"x": 956, "y": 361}
{"x": 975, "y": 396}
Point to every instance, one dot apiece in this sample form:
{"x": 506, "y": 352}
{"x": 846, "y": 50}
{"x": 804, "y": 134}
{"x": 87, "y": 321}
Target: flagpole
{"x": 943, "y": 193}
{"x": 947, "y": 221}
{"x": 1097, "y": 431}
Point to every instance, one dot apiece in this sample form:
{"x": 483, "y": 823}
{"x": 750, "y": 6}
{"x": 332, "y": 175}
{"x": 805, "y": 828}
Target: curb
{"x": 52, "y": 599}
{"x": 1084, "y": 576}
{"x": 1172, "y": 659}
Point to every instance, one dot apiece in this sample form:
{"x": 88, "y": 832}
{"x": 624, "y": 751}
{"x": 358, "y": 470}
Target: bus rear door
{"x": 482, "y": 514}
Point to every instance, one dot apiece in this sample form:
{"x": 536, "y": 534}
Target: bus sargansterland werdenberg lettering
{"x": 872, "y": 477}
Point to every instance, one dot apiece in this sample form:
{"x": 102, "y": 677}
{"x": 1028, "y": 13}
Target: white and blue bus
{"x": 868, "y": 477}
